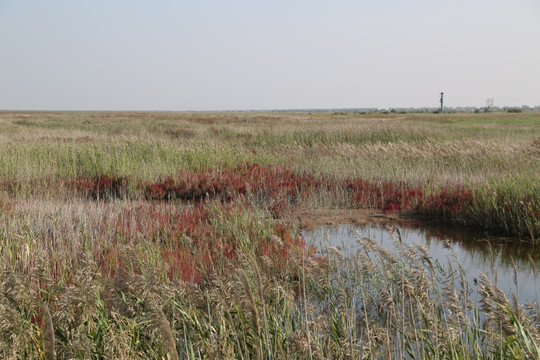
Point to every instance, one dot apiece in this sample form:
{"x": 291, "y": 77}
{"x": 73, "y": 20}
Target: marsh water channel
{"x": 499, "y": 258}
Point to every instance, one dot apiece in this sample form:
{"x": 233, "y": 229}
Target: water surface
{"x": 475, "y": 252}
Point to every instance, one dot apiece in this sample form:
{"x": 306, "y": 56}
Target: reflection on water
{"x": 475, "y": 252}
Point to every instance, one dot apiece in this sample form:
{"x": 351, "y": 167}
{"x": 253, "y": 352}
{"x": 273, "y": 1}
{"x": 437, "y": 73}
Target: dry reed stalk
{"x": 334, "y": 251}
{"x": 496, "y": 305}
{"x": 252, "y": 306}
{"x": 127, "y": 284}
{"x": 276, "y": 239}
{"x": 537, "y": 310}
{"x": 164, "y": 327}
{"x": 254, "y": 313}
{"x": 260, "y": 289}
{"x": 49, "y": 342}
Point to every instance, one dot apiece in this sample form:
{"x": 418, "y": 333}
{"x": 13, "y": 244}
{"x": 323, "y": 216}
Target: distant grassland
{"x": 415, "y": 148}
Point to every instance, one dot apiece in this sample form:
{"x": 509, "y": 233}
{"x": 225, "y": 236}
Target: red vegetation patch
{"x": 270, "y": 182}
{"x": 445, "y": 202}
{"x": 278, "y": 188}
{"x": 101, "y": 187}
{"x": 192, "y": 245}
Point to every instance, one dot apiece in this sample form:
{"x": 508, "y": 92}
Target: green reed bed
{"x": 415, "y": 148}
{"x": 138, "y": 160}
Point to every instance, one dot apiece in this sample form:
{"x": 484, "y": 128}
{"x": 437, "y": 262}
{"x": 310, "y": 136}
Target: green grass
{"x": 410, "y": 147}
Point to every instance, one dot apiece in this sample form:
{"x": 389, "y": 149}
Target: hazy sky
{"x": 274, "y": 54}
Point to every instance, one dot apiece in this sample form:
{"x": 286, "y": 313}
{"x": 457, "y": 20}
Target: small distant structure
{"x": 442, "y": 99}
{"x": 489, "y": 104}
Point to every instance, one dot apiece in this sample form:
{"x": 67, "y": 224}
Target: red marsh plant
{"x": 388, "y": 196}
{"x": 267, "y": 181}
{"x": 101, "y": 187}
{"x": 30, "y": 187}
{"x": 277, "y": 188}
{"x": 496, "y": 210}
{"x": 197, "y": 242}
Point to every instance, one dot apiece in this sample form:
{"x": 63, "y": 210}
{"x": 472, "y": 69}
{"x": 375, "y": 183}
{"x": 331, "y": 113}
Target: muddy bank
{"x": 309, "y": 219}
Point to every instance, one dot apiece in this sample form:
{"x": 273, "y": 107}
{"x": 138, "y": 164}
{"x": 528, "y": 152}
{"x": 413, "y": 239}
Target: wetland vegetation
{"x": 177, "y": 235}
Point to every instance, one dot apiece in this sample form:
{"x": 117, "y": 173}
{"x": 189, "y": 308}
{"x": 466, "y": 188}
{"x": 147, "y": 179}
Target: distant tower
{"x": 442, "y": 94}
{"x": 489, "y": 104}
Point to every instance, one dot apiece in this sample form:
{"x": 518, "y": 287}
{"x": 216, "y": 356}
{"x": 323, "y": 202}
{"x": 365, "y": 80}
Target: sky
{"x": 213, "y": 55}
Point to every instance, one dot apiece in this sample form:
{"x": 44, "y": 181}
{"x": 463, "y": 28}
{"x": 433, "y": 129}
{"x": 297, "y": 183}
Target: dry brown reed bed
{"x": 257, "y": 304}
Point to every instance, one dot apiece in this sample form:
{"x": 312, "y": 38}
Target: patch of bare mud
{"x": 309, "y": 219}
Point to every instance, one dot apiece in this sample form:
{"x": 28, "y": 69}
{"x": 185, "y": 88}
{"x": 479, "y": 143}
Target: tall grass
{"x": 287, "y": 302}
{"x": 169, "y": 236}
{"x": 416, "y": 148}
